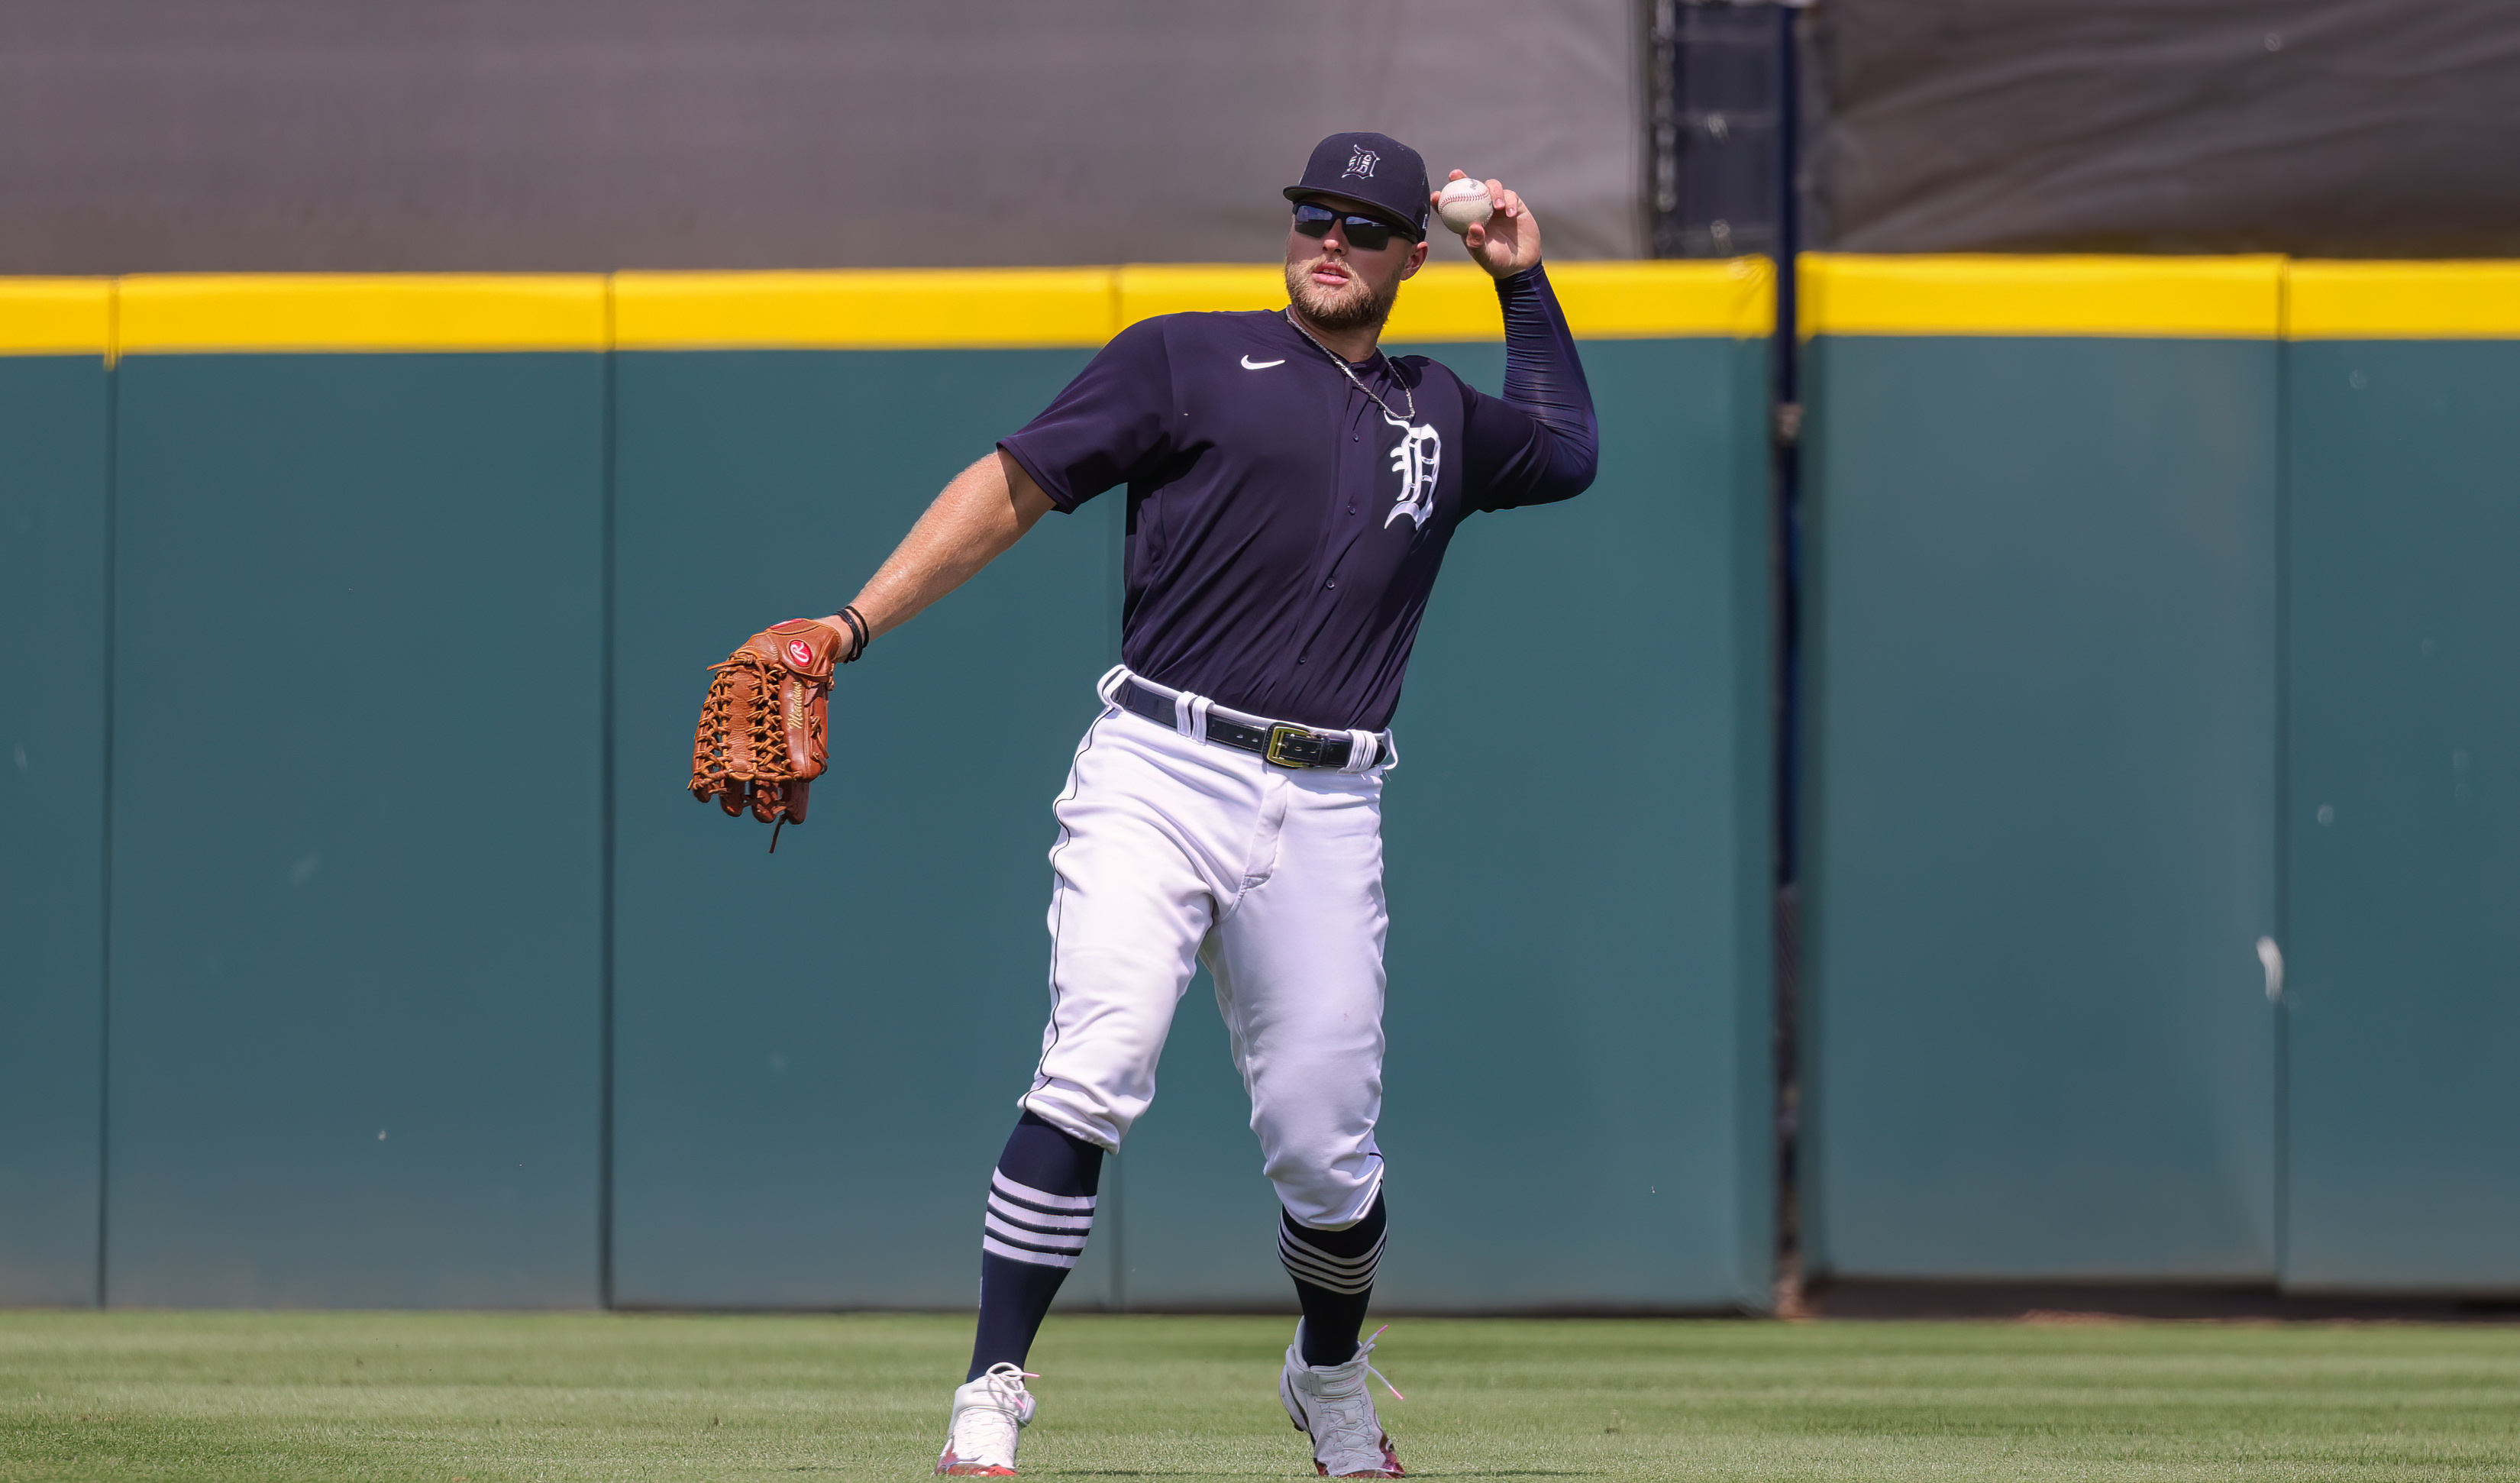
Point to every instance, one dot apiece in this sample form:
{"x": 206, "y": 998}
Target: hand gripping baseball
{"x": 764, "y": 734}
{"x": 1505, "y": 239}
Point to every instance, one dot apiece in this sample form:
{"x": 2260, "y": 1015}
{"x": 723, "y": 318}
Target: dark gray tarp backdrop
{"x": 274, "y": 135}
{"x": 2317, "y": 128}
{"x": 522, "y": 135}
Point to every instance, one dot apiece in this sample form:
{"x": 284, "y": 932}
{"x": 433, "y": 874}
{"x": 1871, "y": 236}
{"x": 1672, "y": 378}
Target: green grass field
{"x": 478, "y": 1398}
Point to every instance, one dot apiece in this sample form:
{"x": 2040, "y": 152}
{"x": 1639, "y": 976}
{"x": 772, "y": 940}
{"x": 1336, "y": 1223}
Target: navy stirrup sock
{"x": 1040, "y": 1208}
{"x": 1334, "y": 1272}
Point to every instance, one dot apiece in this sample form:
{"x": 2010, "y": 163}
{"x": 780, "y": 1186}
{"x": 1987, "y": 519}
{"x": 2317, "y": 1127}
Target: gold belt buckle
{"x": 1279, "y": 735}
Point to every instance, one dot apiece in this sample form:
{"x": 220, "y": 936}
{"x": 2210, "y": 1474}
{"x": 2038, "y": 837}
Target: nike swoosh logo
{"x": 1248, "y": 364}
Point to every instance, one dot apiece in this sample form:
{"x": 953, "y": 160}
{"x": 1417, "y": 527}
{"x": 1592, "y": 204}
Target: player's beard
{"x": 1358, "y": 305}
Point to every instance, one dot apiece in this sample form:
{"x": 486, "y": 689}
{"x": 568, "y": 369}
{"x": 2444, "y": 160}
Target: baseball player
{"x": 1292, "y": 491}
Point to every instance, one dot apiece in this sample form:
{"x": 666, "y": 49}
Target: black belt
{"x": 1281, "y": 742}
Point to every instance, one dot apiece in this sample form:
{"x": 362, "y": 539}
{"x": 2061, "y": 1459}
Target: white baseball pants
{"x": 1173, "y": 850}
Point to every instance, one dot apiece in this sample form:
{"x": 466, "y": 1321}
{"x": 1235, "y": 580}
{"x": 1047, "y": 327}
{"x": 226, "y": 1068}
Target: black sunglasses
{"x": 1365, "y": 233}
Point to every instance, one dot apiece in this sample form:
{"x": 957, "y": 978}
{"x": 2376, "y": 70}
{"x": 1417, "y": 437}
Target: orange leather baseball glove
{"x": 764, "y": 734}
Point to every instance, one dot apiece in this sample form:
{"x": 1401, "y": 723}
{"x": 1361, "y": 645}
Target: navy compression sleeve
{"x": 1543, "y": 377}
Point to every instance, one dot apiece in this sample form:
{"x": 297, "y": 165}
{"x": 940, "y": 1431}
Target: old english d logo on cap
{"x": 1361, "y": 162}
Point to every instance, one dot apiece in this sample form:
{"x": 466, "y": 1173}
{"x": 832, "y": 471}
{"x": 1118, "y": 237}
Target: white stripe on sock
{"x": 1361, "y": 1261}
{"x": 995, "y": 1247}
{"x": 1042, "y": 1197}
{"x": 1031, "y": 1217}
{"x": 1015, "y": 1233}
{"x": 1350, "y": 1275}
{"x": 1329, "y": 1284}
{"x": 1364, "y": 1262}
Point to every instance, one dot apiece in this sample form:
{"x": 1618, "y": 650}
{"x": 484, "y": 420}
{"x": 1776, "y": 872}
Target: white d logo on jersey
{"x": 1418, "y": 459}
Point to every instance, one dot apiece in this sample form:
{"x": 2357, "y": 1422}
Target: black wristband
{"x": 856, "y": 620}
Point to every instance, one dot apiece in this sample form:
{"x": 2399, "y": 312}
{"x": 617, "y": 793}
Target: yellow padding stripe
{"x": 871, "y": 309}
{"x": 2235, "y": 297}
{"x": 364, "y": 311}
{"x": 1647, "y": 300}
{"x": 868, "y": 309}
{"x": 1146, "y": 289}
{"x": 2200, "y": 298}
{"x": 55, "y": 316}
{"x": 907, "y": 309}
{"x": 1603, "y": 301}
{"x": 2404, "y": 300}
{"x": 1451, "y": 302}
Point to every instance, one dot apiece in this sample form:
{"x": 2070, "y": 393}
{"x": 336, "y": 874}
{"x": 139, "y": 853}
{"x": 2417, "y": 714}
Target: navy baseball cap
{"x": 1371, "y": 170}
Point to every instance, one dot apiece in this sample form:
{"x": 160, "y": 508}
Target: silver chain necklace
{"x": 1349, "y": 372}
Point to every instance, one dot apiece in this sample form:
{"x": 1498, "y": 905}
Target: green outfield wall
{"x": 439, "y": 991}
{"x": 2156, "y": 630}
{"x": 357, "y": 940}
{"x": 2122, "y": 571}
{"x": 56, "y": 512}
{"x": 2042, "y": 646}
{"x": 2402, "y": 816}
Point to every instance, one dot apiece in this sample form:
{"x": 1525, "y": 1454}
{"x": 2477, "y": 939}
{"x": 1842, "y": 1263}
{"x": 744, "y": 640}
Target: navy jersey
{"x": 1283, "y": 531}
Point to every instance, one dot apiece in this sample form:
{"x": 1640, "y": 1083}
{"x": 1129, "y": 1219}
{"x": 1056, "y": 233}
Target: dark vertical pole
{"x": 1787, "y": 423}
{"x": 1788, "y": 199}
{"x": 1725, "y": 152}
{"x": 1662, "y": 127}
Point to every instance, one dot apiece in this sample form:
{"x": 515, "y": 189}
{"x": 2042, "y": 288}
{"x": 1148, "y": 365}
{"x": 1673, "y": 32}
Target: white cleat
{"x": 988, "y": 1412}
{"x": 1329, "y": 1404}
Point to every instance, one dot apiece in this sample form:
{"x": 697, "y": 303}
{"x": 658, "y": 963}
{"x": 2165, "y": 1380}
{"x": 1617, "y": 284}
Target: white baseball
{"x": 1464, "y": 203}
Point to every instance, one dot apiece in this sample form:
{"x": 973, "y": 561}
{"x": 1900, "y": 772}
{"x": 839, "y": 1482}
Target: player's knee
{"x": 1089, "y": 1119}
{"x": 1330, "y": 1195}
